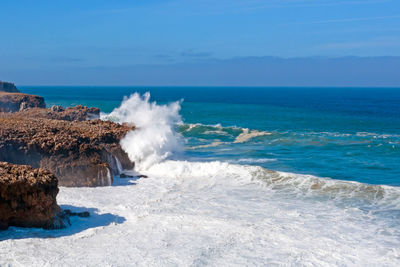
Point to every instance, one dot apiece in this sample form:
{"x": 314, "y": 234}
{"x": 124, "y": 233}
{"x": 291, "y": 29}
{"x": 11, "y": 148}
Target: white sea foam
{"x": 119, "y": 165}
{"x": 247, "y": 134}
{"x": 253, "y": 160}
{"x": 154, "y": 139}
{"x": 213, "y": 144}
{"x": 297, "y": 184}
{"x": 377, "y": 135}
{"x": 207, "y": 129}
{"x": 240, "y": 135}
{"x": 105, "y": 180}
{"x": 109, "y": 178}
{"x": 213, "y": 213}
{"x": 218, "y": 214}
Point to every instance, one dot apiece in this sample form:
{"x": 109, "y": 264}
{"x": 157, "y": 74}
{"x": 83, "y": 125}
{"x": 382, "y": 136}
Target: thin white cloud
{"x": 237, "y": 6}
{"x": 381, "y": 42}
{"x": 349, "y": 20}
{"x": 218, "y": 7}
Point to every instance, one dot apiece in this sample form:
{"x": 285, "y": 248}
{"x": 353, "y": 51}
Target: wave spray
{"x": 154, "y": 138}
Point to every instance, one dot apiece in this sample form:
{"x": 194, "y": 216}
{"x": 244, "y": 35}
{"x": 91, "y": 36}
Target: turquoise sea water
{"x": 341, "y": 133}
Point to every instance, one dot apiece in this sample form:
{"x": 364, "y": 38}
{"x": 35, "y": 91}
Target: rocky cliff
{"x": 8, "y": 87}
{"x": 28, "y": 197}
{"x": 13, "y": 102}
{"x": 78, "y": 152}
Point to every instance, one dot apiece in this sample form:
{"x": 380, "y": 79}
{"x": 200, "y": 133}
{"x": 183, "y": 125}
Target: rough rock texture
{"x": 8, "y": 87}
{"x": 13, "y": 102}
{"x": 79, "y": 153}
{"x": 77, "y": 113}
{"x": 28, "y": 197}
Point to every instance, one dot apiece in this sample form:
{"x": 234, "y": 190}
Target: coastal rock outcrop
{"x": 78, "y": 152}
{"x": 28, "y": 197}
{"x": 8, "y": 87}
{"x": 77, "y": 113}
{"x": 13, "y": 102}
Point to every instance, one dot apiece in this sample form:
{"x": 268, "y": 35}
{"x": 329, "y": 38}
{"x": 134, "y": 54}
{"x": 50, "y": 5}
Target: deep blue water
{"x": 342, "y": 133}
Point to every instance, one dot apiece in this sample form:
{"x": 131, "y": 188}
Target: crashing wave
{"x": 155, "y": 140}
{"x": 290, "y": 184}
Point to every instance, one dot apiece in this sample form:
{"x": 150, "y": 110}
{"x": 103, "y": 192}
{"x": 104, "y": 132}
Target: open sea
{"x": 341, "y": 133}
{"x": 237, "y": 177}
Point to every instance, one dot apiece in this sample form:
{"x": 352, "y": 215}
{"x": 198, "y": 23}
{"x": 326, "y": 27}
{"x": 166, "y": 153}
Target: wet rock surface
{"x": 79, "y": 153}
{"x": 124, "y": 175}
{"x": 63, "y": 217}
{"x": 28, "y": 197}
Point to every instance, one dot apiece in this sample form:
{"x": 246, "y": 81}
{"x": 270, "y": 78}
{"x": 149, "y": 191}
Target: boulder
{"x": 28, "y": 197}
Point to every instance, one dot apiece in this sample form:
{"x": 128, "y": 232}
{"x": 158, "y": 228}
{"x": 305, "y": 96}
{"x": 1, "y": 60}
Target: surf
{"x": 157, "y": 146}
{"x": 214, "y": 212}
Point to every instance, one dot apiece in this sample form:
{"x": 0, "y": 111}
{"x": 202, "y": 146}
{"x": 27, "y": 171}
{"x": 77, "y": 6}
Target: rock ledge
{"x": 79, "y": 153}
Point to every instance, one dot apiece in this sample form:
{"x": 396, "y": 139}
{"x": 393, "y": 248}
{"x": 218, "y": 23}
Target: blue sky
{"x": 43, "y": 36}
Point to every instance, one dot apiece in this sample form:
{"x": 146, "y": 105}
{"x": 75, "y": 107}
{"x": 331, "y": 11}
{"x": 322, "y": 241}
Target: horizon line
{"x": 215, "y": 86}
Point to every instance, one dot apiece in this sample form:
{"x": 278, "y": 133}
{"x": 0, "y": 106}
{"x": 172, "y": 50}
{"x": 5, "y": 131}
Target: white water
{"x": 205, "y": 214}
{"x": 246, "y": 135}
{"x": 213, "y": 213}
{"x": 155, "y": 138}
{"x": 109, "y": 181}
{"x": 250, "y": 160}
{"x": 119, "y": 165}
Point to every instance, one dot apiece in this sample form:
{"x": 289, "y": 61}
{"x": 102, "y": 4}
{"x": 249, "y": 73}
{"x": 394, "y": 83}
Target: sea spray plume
{"x": 154, "y": 139}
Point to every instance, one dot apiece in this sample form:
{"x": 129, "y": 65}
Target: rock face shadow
{"x": 78, "y": 225}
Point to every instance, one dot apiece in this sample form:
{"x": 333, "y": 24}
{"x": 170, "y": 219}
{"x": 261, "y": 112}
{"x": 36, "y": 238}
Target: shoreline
{"x": 213, "y": 212}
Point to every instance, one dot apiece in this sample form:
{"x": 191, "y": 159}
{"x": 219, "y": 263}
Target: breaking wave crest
{"x": 155, "y": 140}
{"x": 348, "y": 193}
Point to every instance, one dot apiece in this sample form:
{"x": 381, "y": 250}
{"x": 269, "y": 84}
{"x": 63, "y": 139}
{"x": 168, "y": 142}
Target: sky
{"x": 58, "y": 42}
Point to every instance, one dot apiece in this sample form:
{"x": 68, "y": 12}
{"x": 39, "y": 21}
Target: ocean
{"x": 341, "y": 133}
{"x": 237, "y": 176}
